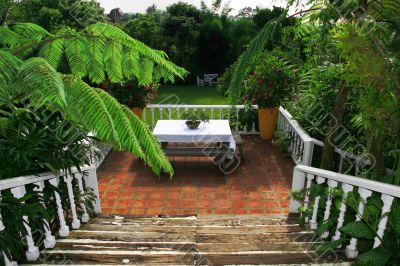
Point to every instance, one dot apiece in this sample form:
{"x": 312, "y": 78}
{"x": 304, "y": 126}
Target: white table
{"x": 212, "y": 132}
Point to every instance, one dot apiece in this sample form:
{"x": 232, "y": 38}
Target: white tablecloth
{"x": 177, "y": 131}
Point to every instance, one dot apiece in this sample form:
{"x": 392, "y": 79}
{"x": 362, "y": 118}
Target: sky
{"x": 139, "y": 6}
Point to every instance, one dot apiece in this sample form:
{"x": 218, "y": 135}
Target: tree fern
{"x": 98, "y": 53}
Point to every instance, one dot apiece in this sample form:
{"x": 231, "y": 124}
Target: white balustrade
{"x": 365, "y": 189}
{"x": 346, "y": 189}
{"x": 33, "y": 251}
{"x": 17, "y": 187}
{"x": 64, "y": 229}
{"x": 85, "y": 216}
{"x": 310, "y": 178}
{"x": 75, "y": 221}
{"x": 351, "y": 249}
{"x": 50, "y": 240}
{"x": 331, "y": 185}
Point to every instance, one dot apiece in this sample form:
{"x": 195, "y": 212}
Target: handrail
{"x": 376, "y": 186}
{"x": 305, "y": 176}
{"x": 30, "y": 179}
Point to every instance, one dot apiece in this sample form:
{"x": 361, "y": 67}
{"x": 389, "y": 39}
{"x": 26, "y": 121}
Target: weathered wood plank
{"x": 265, "y": 238}
{"x": 76, "y": 257}
{"x": 257, "y": 246}
{"x": 133, "y": 236}
{"x": 140, "y": 228}
{"x": 262, "y": 229}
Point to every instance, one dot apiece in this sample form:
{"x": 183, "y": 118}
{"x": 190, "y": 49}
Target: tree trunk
{"x": 377, "y": 158}
{"x": 339, "y": 109}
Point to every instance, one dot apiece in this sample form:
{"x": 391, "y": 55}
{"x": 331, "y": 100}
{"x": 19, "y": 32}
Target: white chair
{"x": 211, "y": 79}
{"x": 200, "y": 82}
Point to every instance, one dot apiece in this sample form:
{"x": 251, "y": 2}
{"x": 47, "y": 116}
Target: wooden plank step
{"x": 76, "y": 257}
{"x": 238, "y": 230}
{"x": 245, "y": 220}
{"x": 91, "y": 244}
{"x": 132, "y": 236}
{"x": 265, "y": 257}
{"x": 305, "y": 236}
{"x": 140, "y": 228}
{"x": 247, "y": 247}
{"x": 178, "y": 221}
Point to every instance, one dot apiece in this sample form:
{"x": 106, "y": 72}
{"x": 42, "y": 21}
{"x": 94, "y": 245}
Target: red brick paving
{"x": 260, "y": 186}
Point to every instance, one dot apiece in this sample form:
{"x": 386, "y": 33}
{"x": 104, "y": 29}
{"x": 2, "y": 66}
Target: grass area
{"x": 187, "y": 94}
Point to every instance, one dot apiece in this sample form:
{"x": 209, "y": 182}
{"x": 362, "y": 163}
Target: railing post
{"x": 33, "y": 251}
{"x": 7, "y": 262}
{"x": 64, "y": 229}
{"x": 310, "y": 178}
{"x": 85, "y": 216}
{"x": 91, "y": 182}
{"x": 50, "y": 240}
{"x": 351, "y": 249}
{"x": 387, "y": 204}
{"x": 331, "y": 184}
{"x": 346, "y": 189}
{"x": 75, "y": 221}
{"x": 297, "y": 185}
{"x": 313, "y": 222}
{"x": 308, "y": 152}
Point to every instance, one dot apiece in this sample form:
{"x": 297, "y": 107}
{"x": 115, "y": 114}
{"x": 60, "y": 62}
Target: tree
{"x": 145, "y": 28}
{"x": 97, "y": 53}
{"x": 52, "y": 14}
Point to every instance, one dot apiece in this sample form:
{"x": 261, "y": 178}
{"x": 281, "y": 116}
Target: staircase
{"x": 190, "y": 240}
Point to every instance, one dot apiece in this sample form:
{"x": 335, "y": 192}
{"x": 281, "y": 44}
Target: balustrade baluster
{"x": 7, "y": 261}
{"x": 220, "y": 113}
{"x": 331, "y": 185}
{"x": 237, "y": 119}
{"x": 161, "y": 112}
{"x": 64, "y": 229}
{"x": 170, "y": 113}
{"x": 50, "y": 240}
{"x": 387, "y": 204}
{"x": 310, "y": 178}
{"x": 85, "y": 216}
{"x": 152, "y": 118}
{"x": 33, "y": 251}
{"x": 313, "y": 222}
{"x": 212, "y": 113}
{"x": 75, "y": 221}
{"x": 346, "y": 189}
{"x": 229, "y": 115}
{"x": 351, "y": 249}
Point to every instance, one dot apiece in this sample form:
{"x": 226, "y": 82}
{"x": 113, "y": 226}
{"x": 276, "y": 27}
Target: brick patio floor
{"x": 260, "y": 186}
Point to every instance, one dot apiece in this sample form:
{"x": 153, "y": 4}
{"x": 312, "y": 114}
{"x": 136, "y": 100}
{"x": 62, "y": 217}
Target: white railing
{"x": 300, "y": 144}
{"x": 155, "y": 112}
{"x": 17, "y": 186}
{"x": 304, "y": 177}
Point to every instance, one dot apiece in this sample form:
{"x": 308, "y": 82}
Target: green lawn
{"x": 175, "y": 94}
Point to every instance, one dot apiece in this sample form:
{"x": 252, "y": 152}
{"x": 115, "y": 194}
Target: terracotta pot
{"x": 138, "y": 111}
{"x": 267, "y": 119}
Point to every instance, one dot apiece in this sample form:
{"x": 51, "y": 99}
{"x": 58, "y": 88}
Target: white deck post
{"x": 297, "y": 185}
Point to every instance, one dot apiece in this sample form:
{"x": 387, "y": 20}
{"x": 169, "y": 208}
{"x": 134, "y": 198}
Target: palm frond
{"x": 9, "y": 66}
{"x": 249, "y": 57}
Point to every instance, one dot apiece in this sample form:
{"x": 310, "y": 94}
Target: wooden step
{"x": 188, "y": 240}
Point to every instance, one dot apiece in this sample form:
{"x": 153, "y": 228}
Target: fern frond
{"x": 112, "y": 61}
{"x": 30, "y": 31}
{"x": 76, "y": 51}
{"x": 54, "y": 50}
{"x": 9, "y": 65}
{"x": 155, "y": 156}
{"x": 11, "y": 39}
{"x": 96, "y": 64}
{"x": 86, "y": 107}
{"x": 131, "y": 65}
{"x": 147, "y": 67}
{"x": 126, "y": 135}
{"x": 42, "y": 82}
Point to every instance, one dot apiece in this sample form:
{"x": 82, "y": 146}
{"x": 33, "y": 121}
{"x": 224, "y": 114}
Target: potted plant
{"x": 194, "y": 119}
{"x": 268, "y": 86}
{"x": 132, "y": 95}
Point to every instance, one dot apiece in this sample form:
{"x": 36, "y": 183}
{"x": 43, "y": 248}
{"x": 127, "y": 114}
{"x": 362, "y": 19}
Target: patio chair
{"x": 200, "y": 82}
{"x": 211, "y": 79}
{"x": 239, "y": 143}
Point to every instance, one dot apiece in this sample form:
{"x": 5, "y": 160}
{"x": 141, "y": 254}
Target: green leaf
{"x": 358, "y": 230}
{"x": 376, "y": 257}
{"x": 395, "y": 215}
{"x": 328, "y": 246}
